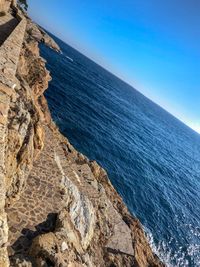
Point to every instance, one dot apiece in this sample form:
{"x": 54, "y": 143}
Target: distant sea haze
{"x": 152, "y": 159}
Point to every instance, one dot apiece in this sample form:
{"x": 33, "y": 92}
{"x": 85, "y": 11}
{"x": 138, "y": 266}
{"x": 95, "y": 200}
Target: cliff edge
{"x": 57, "y": 208}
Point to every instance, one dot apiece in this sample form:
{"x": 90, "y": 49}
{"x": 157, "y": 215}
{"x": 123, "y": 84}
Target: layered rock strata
{"x": 57, "y": 207}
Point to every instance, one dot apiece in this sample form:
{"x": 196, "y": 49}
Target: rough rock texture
{"x": 61, "y": 207}
{"x": 5, "y": 5}
{"x": 11, "y": 39}
{"x": 10, "y": 50}
{"x": 39, "y": 35}
{"x": 7, "y": 24}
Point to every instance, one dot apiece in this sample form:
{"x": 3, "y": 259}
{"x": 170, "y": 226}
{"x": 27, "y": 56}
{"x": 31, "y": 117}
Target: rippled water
{"x": 152, "y": 159}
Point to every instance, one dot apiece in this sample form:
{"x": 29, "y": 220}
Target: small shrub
{"x": 23, "y": 4}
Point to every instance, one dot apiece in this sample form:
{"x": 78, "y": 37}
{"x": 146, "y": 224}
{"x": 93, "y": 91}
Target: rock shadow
{"x": 23, "y": 243}
{"x": 6, "y": 29}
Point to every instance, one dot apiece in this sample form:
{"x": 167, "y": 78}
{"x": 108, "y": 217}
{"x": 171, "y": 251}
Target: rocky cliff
{"x": 57, "y": 207}
{"x": 5, "y": 5}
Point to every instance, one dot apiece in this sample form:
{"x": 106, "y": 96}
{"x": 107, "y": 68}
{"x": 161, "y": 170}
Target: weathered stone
{"x": 45, "y": 249}
{"x": 66, "y": 231}
{"x": 62, "y": 209}
{"x": 82, "y": 212}
{"x": 5, "y": 5}
{"x": 3, "y": 229}
{"x": 11, "y": 47}
{"x": 3, "y": 240}
{"x": 40, "y": 35}
{"x": 121, "y": 239}
{"x": 64, "y": 246}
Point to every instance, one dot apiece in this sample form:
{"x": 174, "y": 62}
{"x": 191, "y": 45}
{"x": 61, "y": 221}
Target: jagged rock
{"x": 3, "y": 240}
{"x": 50, "y": 42}
{"x": 5, "y": 5}
{"x": 21, "y": 261}
{"x": 34, "y": 32}
{"x": 121, "y": 239}
{"x": 40, "y": 35}
{"x": 62, "y": 209}
{"x": 81, "y": 210}
{"x": 3, "y": 229}
{"x": 66, "y": 232}
{"x": 45, "y": 250}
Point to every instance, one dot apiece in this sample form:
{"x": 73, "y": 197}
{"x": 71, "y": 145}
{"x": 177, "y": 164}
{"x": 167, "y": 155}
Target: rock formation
{"x": 39, "y": 35}
{"x": 57, "y": 208}
{"x": 5, "y": 5}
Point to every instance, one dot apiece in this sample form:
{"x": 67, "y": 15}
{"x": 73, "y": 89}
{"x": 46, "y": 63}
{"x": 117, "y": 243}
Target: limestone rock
{"x": 81, "y": 210}
{"x": 62, "y": 208}
{"x": 3, "y": 240}
{"x": 66, "y": 232}
{"x": 5, "y": 5}
{"x": 45, "y": 250}
{"x": 121, "y": 239}
{"x": 38, "y": 34}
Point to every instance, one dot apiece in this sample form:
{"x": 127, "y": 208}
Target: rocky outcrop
{"x": 61, "y": 207}
{"x": 5, "y": 5}
{"x": 38, "y": 34}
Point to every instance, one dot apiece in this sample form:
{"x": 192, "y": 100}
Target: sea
{"x": 152, "y": 158}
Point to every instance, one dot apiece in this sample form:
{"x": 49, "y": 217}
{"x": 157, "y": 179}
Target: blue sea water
{"x": 152, "y": 159}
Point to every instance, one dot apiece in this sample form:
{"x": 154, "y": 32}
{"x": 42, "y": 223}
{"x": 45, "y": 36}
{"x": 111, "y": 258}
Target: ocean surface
{"x": 152, "y": 159}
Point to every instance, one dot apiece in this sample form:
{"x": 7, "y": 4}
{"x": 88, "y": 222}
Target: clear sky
{"x": 153, "y": 45}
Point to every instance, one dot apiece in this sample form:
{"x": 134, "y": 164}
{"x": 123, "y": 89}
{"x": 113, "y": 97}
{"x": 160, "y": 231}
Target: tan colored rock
{"x": 20, "y": 148}
{"x": 81, "y": 210}
{"x": 45, "y": 250}
{"x": 4, "y": 106}
{"x": 121, "y": 239}
{"x": 38, "y": 34}
{"x": 62, "y": 209}
{"x": 6, "y": 90}
{"x": 38, "y": 139}
{"x": 3, "y": 229}
{"x": 5, "y": 5}
{"x": 4, "y": 261}
{"x": 66, "y": 232}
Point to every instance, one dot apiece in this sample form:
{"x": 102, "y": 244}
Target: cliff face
{"x": 5, "y": 5}
{"x": 58, "y": 208}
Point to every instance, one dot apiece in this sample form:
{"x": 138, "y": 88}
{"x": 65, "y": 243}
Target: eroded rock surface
{"x": 38, "y": 34}
{"x": 62, "y": 209}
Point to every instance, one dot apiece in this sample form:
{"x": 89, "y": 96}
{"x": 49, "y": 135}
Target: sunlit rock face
{"x": 57, "y": 208}
{"x": 38, "y": 34}
{"x": 6, "y": 4}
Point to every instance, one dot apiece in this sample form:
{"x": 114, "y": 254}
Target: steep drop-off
{"x": 58, "y": 208}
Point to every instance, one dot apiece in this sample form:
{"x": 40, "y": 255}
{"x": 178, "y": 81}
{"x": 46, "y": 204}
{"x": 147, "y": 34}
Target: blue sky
{"x": 153, "y": 45}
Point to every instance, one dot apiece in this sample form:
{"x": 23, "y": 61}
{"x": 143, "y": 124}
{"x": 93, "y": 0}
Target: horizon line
{"x": 118, "y": 76}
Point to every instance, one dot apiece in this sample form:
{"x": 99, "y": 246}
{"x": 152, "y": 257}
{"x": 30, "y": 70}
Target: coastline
{"x": 76, "y": 218}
